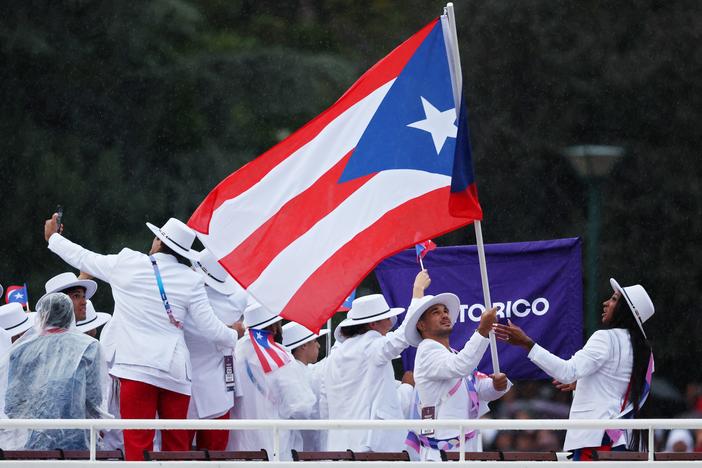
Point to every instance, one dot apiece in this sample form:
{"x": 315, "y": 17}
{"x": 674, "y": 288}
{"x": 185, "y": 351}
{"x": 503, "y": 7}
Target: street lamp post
{"x": 593, "y": 163}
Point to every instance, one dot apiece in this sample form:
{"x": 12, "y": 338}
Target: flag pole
{"x": 329, "y": 336}
{"x": 26, "y": 291}
{"x": 451, "y": 40}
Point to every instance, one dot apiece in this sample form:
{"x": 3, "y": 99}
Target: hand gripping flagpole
{"x": 451, "y": 38}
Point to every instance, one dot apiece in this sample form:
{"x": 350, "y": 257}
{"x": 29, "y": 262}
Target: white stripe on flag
{"x": 302, "y": 257}
{"x": 238, "y": 218}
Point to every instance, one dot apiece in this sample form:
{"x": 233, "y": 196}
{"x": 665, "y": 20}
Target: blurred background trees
{"x": 129, "y": 111}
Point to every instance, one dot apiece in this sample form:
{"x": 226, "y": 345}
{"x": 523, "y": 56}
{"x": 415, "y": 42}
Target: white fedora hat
{"x": 295, "y": 335}
{"x": 14, "y": 320}
{"x": 69, "y": 280}
{"x": 256, "y": 316}
{"x": 452, "y": 303}
{"x": 93, "y": 319}
{"x": 369, "y": 309}
{"x": 176, "y": 235}
{"x": 215, "y": 275}
{"x": 639, "y": 302}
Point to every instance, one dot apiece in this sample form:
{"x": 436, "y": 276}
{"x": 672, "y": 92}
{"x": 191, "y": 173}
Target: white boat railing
{"x": 275, "y": 425}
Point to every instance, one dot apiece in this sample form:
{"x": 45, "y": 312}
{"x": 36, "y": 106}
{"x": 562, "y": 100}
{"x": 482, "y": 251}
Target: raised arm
{"x": 437, "y": 362}
{"x": 394, "y": 342}
{"x": 585, "y": 362}
{"x": 97, "y": 265}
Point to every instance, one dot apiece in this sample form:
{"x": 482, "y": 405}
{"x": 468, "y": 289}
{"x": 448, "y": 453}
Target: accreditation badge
{"x": 229, "y": 373}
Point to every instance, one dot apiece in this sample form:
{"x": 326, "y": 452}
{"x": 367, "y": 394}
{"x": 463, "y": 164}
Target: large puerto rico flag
{"x": 385, "y": 167}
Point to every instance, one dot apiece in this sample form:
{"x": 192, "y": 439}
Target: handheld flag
{"x": 16, "y": 294}
{"x": 388, "y": 163}
{"x": 424, "y": 248}
{"x": 269, "y": 353}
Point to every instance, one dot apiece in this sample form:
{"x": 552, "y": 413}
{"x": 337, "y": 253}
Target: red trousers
{"x": 211, "y": 439}
{"x": 139, "y": 400}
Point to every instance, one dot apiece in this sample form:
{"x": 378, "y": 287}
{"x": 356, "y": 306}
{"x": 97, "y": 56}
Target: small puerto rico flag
{"x": 423, "y": 248}
{"x": 270, "y": 354}
{"x": 16, "y": 294}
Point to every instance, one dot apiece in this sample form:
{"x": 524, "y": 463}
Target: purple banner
{"x": 537, "y": 285}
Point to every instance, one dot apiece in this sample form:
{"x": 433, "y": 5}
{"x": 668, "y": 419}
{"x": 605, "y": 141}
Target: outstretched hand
{"x": 513, "y": 335}
{"x": 51, "y": 227}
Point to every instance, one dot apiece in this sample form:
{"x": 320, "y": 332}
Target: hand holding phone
{"x": 53, "y": 224}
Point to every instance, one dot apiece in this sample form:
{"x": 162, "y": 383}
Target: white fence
{"x": 95, "y": 425}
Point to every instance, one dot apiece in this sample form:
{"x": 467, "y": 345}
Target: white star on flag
{"x": 19, "y": 295}
{"x": 439, "y": 124}
{"x": 258, "y": 335}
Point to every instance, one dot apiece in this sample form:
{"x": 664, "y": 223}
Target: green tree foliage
{"x": 126, "y": 112}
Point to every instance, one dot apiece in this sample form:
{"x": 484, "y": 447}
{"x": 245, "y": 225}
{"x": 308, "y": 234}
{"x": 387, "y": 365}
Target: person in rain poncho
{"x": 55, "y": 372}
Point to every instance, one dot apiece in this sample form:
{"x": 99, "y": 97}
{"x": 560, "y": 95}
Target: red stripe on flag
{"x": 271, "y": 352}
{"x": 396, "y": 230}
{"x": 294, "y": 219}
{"x": 461, "y": 203}
{"x": 257, "y": 349}
{"x": 243, "y": 179}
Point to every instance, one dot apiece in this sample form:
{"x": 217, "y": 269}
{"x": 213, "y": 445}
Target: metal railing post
{"x": 276, "y": 443}
{"x": 462, "y": 443}
{"x": 92, "y": 443}
{"x": 651, "y": 446}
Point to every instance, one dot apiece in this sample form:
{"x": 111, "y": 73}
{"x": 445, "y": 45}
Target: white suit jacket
{"x": 310, "y": 440}
{"x": 147, "y": 347}
{"x": 360, "y": 383}
{"x": 603, "y": 370}
{"x": 280, "y": 394}
{"x": 210, "y": 398}
{"x": 437, "y": 370}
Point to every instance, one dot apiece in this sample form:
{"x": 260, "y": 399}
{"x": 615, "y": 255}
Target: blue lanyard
{"x": 164, "y": 298}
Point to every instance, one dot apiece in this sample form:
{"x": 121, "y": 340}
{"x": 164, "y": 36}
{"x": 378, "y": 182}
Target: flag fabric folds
{"x": 269, "y": 353}
{"x": 16, "y": 294}
{"x": 302, "y": 224}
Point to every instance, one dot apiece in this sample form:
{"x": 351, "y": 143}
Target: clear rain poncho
{"x": 54, "y": 372}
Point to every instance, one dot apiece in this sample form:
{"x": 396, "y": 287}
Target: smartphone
{"x": 59, "y": 210}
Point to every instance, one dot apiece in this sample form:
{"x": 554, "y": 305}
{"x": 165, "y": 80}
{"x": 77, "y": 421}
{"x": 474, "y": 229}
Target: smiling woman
{"x": 612, "y": 371}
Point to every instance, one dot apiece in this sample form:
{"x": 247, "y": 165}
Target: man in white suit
{"x": 154, "y": 294}
{"x": 213, "y": 367}
{"x": 304, "y": 346}
{"x": 359, "y": 381}
{"x": 268, "y": 385}
{"x": 447, "y": 383}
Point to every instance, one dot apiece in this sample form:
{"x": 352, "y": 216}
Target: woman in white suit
{"x": 612, "y": 371}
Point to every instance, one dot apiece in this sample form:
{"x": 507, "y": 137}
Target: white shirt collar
{"x": 165, "y": 258}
